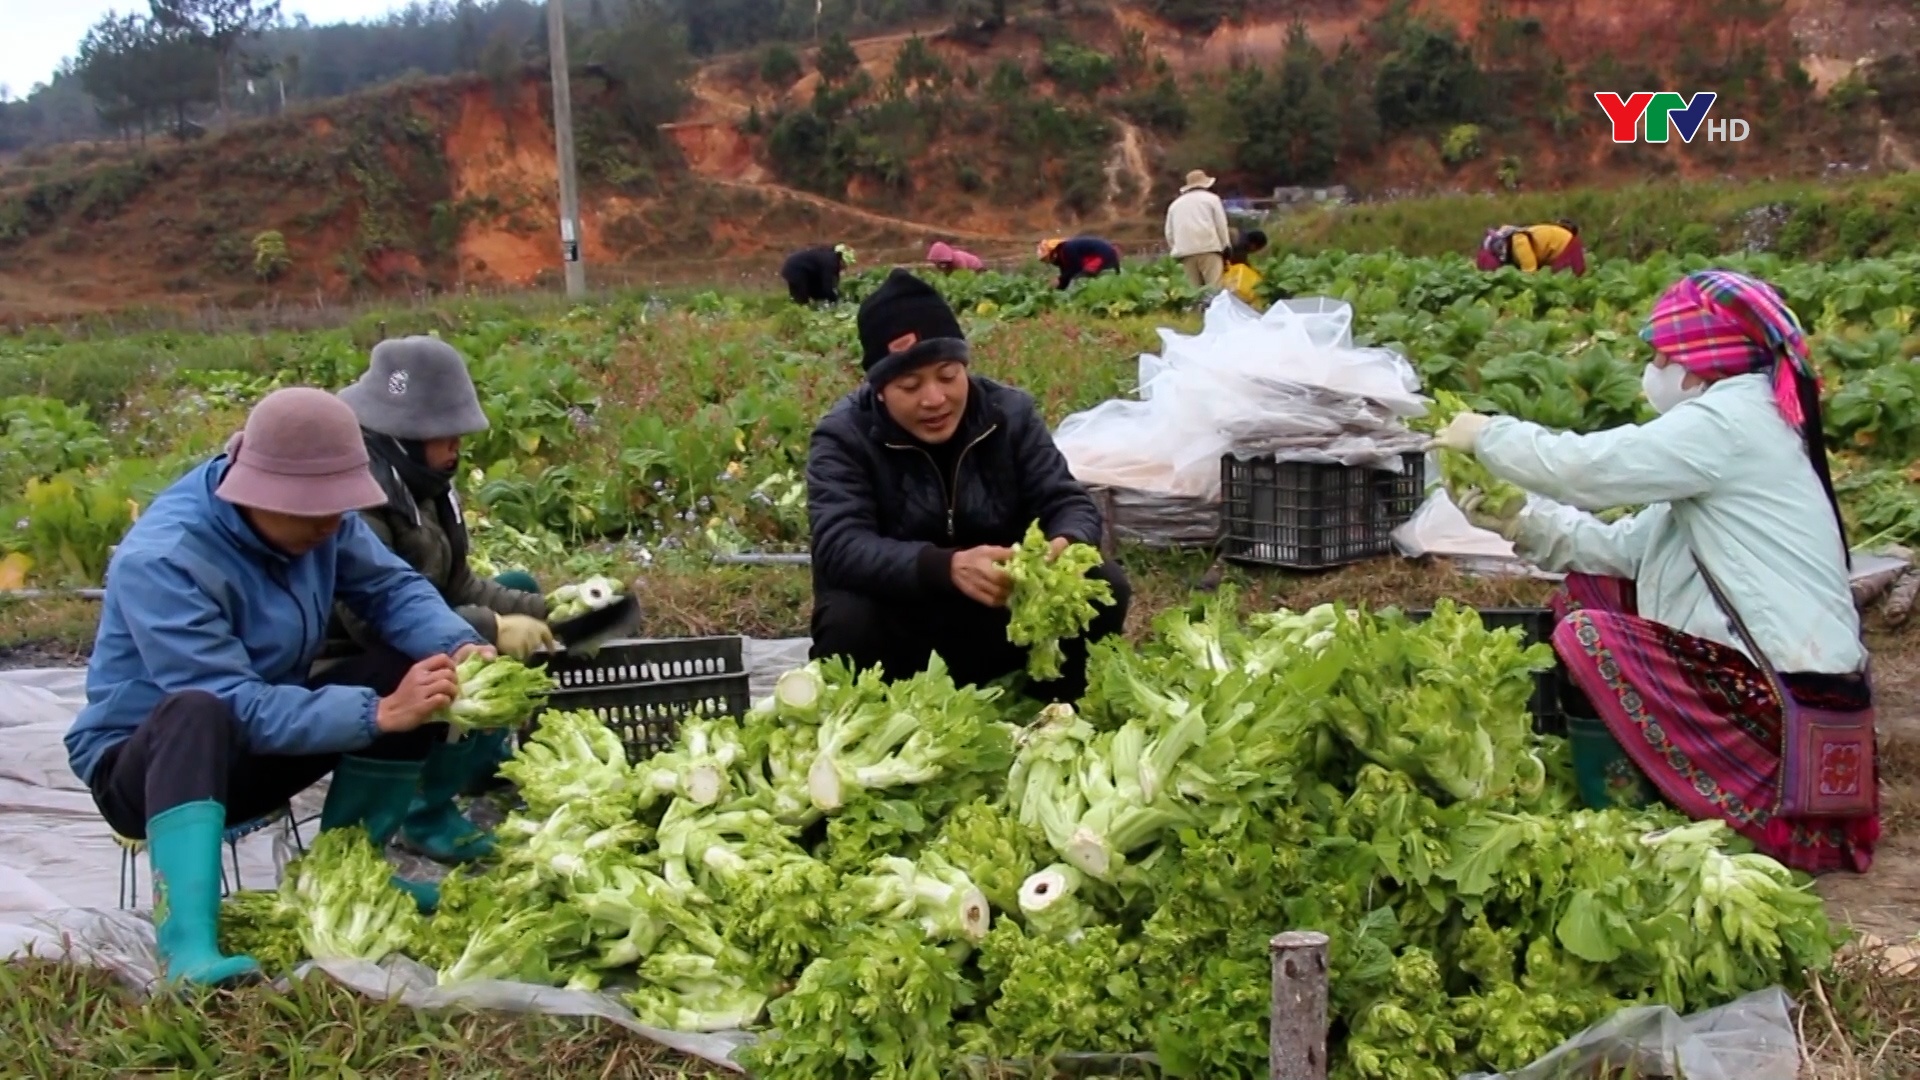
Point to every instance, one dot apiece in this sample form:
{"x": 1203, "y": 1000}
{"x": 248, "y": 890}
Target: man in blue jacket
{"x": 919, "y": 484}
{"x": 1081, "y": 256}
{"x": 200, "y": 714}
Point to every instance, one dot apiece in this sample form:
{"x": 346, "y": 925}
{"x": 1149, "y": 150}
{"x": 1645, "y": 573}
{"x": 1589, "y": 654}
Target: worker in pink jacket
{"x": 947, "y": 258}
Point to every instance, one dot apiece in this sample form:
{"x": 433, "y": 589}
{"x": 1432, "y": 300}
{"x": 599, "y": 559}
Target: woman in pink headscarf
{"x": 1714, "y": 631}
{"x": 947, "y": 258}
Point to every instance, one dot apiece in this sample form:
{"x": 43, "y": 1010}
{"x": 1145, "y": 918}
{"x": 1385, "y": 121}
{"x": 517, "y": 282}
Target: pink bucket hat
{"x": 301, "y": 453}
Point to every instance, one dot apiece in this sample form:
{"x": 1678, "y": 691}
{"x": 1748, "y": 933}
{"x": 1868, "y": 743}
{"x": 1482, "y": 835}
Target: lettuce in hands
{"x": 497, "y": 693}
{"x": 1051, "y": 600}
{"x": 1463, "y": 472}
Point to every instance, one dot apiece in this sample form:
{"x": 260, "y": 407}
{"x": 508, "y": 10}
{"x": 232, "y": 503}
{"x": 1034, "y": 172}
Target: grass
{"x": 85, "y": 1024}
{"x": 1812, "y": 219}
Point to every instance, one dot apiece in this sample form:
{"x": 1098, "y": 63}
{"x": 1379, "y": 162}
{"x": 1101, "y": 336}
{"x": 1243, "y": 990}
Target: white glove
{"x": 1461, "y": 434}
{"x": 1473, "y": 504}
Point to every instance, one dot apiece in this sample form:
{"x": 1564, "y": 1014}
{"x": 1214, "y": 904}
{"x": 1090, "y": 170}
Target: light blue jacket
{"x": 196, "y": 600}
{"x": 1722, "y": 474}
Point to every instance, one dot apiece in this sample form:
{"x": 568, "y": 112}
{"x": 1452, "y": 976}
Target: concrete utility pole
{"x": 563, "y": 150}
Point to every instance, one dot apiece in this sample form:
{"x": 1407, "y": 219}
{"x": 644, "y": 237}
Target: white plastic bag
{"x": 1748, "y": 1039}
{"x": 1288, "y": 383}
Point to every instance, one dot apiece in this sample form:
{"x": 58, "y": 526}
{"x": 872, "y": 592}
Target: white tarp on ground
{"x": 60, "y": 873}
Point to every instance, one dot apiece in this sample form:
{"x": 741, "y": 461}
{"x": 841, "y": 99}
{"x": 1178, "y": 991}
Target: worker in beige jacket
{"x": 1197, "y": 231}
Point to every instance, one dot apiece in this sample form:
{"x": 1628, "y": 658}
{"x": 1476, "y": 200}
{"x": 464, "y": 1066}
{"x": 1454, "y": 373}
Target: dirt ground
{"x": 1885, "y": 901}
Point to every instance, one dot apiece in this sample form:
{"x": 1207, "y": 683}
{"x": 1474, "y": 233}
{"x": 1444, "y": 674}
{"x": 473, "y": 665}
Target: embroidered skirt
{"x": 1699, "y": 719}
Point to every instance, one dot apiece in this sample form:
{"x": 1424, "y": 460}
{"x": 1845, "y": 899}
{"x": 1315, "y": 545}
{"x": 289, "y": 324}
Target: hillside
{"x": 1054, "y": 122}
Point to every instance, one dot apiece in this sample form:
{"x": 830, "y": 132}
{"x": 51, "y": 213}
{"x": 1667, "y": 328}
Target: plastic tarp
{"x": 1751, "y": 1038}
{"x": 1289, "y": 383}
{"x": 60, "y": 868}
{"x": 59, "y": 900}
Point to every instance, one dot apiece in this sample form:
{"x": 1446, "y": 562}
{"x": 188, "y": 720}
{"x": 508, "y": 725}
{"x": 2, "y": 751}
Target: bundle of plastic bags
{"x": 1289, "y": 383}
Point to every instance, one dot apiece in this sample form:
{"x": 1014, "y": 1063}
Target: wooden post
{"x": 1297, "y": 1047}
{"x": 571, "y": 241}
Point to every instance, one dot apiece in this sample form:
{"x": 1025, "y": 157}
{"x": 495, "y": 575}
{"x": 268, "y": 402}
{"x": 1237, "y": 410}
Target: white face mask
{"x": 1663, "y": 389}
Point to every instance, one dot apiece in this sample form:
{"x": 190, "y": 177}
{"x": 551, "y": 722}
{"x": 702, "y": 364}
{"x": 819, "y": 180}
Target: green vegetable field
{"x": 680, "y": 425}
{"x": 894, "y": 880}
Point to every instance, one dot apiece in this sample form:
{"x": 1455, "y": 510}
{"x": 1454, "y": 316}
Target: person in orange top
{"x": 1554, "y": 246}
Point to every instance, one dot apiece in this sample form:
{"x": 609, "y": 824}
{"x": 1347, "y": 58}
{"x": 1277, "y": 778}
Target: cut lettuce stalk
{"x": 944, "y": 900}
{"x": 1049, "y": 904}
{"x": 800, "y": 689}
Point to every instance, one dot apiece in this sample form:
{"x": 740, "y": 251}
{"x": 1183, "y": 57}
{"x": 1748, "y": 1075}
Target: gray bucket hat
{"x": 416, "y": 388}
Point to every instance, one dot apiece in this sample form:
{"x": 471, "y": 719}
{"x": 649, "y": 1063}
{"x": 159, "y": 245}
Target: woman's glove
{"x": 520, "y": 636}
{"x": 1461, "y": 432}
{"x": 1473, "y": 503}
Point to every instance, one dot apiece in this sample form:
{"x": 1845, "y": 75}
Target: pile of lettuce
{"x": 881, "y": 879}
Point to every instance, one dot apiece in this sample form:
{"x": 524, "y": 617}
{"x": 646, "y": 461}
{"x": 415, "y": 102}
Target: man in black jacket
{"x": 814, "y": 273}
{"x": 918, "y": 485}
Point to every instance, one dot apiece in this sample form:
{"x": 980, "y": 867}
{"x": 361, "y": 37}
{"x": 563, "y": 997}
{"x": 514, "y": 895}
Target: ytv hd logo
{"x": 1649, "y": 115}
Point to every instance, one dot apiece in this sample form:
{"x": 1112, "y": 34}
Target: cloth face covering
{"x": 1663, "y": 389}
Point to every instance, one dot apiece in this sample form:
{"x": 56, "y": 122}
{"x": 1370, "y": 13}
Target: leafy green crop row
{"x": 686, "y": 427}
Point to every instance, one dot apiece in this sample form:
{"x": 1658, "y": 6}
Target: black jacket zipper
{"x": 949, "y": 486}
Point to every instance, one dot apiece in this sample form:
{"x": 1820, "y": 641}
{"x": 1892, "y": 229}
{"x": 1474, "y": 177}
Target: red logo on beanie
{"x": 903, "y": 343}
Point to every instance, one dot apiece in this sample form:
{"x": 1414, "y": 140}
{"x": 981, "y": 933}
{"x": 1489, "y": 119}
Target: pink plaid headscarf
{"x": 1717, "y": 323}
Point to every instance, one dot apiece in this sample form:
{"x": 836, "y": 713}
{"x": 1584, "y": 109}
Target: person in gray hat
{"x": 415, "y": 403}
{"x": 202, "y": 712}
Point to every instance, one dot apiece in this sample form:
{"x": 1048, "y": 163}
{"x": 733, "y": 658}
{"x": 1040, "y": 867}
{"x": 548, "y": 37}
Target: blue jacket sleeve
{"x": 402, "y": 606}
{"x": 186, "y": 642}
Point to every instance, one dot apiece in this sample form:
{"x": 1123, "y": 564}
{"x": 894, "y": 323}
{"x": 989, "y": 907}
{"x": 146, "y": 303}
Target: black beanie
{"x": 906, "y": 324}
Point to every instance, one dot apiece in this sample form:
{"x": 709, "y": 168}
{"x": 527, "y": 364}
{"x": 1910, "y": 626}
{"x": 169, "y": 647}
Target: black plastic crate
{"x": 643, "y": 688}
{"x": 1304, "y": 515}
{"x": 1536, "y": 627}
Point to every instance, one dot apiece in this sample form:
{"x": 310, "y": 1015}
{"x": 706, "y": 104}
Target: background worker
{"x": 414, "y": 403}
{"x": 918, "y": 485}
{"x": 1198, "y": 234}
{"x": 1082, "y": 256}
{"x": 1553, "y": 246}
{"x": 946, "y": 258}
{"x": 813, "y": 274}
{"x": 1241, "y": 279}
{"x": 1246, "y": 245}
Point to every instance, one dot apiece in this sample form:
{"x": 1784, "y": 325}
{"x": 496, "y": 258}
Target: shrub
{"x": 1080, "y": 70}
{"x": 1462, "y": 144}
{"x": 270, "y": 256}
{"x": 1509, "y": 174}
{"x": 780, "y": 67}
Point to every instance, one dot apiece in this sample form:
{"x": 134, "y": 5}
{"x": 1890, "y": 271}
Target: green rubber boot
{"x": 375, "y": 795}
{"x": 183, "y": 845}
{"x": 435, "y": 827}
{"x": 517, "y": 580}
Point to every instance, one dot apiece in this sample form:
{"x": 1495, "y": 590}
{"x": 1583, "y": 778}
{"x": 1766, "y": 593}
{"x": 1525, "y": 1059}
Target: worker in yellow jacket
{"x": 1554, "y": 246}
